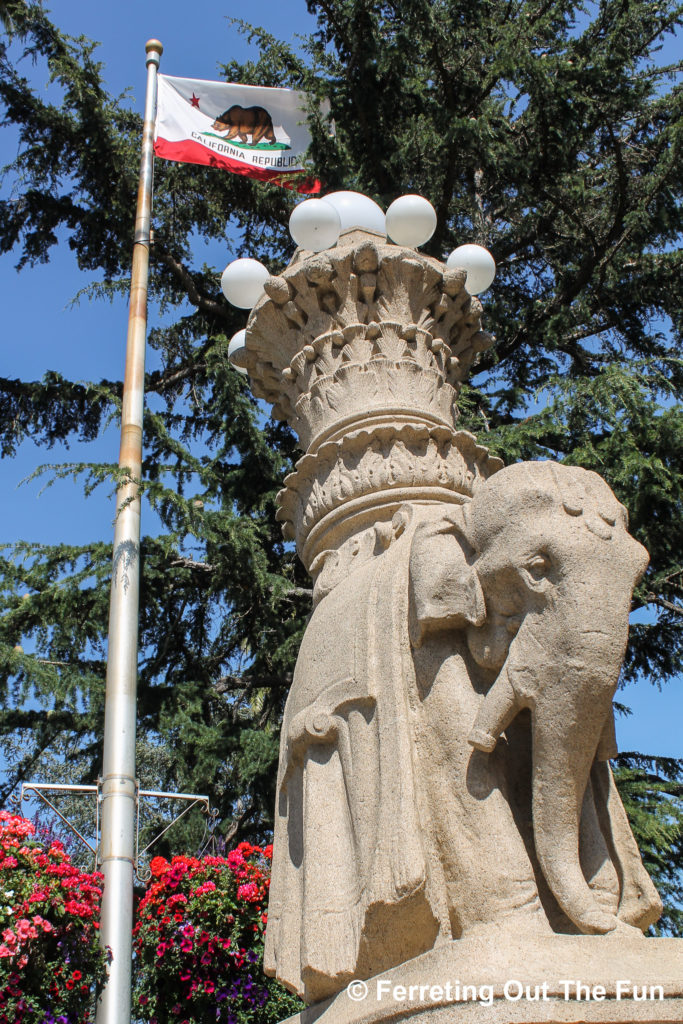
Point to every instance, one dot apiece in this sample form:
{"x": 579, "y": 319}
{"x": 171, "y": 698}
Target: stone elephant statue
{"x": 538, "y": 570}
{"x": 403, "y": 820}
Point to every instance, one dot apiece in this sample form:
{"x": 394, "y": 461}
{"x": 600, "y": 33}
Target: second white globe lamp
{"x": 411, "y": 221}
{"x": 242, "y": 282}
{"x": 237, "y": 352}
{"x": 315, "y": 225}
{"x": 357, "y": 211}
{"x": 479, "y": 264}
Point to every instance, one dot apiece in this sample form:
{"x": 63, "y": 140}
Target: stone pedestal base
{"x": 614, "y": 979}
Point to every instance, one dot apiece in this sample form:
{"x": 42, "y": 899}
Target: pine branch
{"x": 227, "y": 684}
{"x": 239, "y": 822}
{"x": 661, "y": 602}
{"x": 188, "y": 563}
{"x": 188, "y": 283}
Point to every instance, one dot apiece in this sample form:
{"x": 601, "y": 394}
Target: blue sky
{"x": 42, "y": 332}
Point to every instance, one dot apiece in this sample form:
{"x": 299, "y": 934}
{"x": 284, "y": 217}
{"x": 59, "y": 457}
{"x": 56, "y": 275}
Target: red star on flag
{"x": 195, "y": 101}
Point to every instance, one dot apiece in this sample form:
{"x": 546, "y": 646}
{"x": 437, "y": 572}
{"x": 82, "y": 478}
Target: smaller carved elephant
{"x": 245, "y": 121}
{"x": 539, "y": 569}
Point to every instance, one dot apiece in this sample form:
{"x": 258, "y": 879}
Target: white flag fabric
{"x": 259, "y": 132}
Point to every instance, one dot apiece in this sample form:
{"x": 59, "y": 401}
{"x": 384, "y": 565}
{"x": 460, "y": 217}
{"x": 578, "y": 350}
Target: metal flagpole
{"x": 118, "y": 784}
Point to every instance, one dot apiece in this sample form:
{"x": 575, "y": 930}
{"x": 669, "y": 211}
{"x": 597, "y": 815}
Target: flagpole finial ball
{"x": 479, "y": 264}
{"x": 154, "y": 44}
{"x": 411, "y": 221}
{"x": 242, "y": 282}
{"x": 315, "y": 225}
{"x": 237, "y": 352}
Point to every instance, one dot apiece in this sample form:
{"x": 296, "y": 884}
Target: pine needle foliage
{"x": 548, "y": 132}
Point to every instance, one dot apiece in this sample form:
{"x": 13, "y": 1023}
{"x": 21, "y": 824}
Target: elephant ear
{"x": 445, "y": 592}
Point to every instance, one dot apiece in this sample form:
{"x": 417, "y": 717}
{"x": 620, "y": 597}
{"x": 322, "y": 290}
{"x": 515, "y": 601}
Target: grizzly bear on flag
{"x": 245, "y": 121}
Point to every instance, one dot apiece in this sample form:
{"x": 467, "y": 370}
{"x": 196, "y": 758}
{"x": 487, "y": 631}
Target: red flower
{"x": 158, "y": 866}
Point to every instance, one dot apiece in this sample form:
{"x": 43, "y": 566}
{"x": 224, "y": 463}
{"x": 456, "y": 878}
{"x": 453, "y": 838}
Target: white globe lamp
{"x": 479, "y": 264}
{"x": 237, "y": 352}
{"x": 411, "y": 221}
{"x": 357, "y": 211}
{"x": 315, "y": 225}
{"x": 242, "y": 282}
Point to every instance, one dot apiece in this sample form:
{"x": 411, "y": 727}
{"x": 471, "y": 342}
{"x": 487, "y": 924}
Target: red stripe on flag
{"x": 187, "y": 151}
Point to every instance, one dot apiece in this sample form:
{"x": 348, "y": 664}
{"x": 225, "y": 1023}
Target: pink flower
{"x": 235, "y": 859}
{"x": 206, "y": 887}
{"x": 248, "y": 892}
{"x": 177, "y": 897}
{"x": 25, "y": 930}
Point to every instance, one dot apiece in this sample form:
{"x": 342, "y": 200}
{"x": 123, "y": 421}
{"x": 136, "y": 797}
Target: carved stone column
{"x": 362, "y": 349}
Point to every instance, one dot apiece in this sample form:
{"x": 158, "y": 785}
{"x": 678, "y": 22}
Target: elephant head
{"x": 538, "y": 569}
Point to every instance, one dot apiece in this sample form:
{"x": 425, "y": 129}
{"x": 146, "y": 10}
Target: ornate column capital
{"x": 362, "y": 349}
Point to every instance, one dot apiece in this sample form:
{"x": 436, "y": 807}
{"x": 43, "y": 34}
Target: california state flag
{"x": 261, "y": 133}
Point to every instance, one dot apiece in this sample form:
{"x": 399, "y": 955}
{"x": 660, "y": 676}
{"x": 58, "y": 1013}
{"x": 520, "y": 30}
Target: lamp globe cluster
{"x": 316, "y": 224}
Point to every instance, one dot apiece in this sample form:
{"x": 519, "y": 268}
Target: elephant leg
{"x": 499, "y": 707}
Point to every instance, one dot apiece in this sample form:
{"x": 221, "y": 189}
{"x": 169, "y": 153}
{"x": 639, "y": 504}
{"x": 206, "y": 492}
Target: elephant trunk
{"x": 568, "y": 687}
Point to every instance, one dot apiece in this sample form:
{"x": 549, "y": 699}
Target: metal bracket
{"x": 40, "y": 788}
{"x": 143, "y": 873}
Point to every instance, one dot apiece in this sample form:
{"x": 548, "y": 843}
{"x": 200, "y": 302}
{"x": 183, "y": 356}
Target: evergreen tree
{"x": 548, "y": 132}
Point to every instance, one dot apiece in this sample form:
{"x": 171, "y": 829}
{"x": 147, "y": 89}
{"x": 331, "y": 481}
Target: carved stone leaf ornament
{"x": 336, "y": 314}
{"x": 363, "y": 349}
